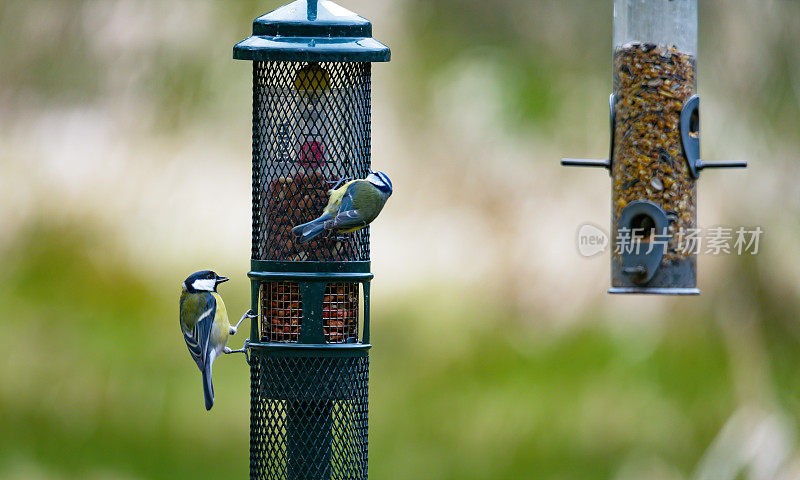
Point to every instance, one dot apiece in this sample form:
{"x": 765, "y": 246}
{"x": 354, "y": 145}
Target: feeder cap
{"x": 311, "y": 31}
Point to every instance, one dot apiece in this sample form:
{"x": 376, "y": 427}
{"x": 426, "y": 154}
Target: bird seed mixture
{"x": 651, "y": 84}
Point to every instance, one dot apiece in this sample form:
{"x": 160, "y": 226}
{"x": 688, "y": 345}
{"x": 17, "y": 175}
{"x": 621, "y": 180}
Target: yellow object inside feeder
{"x": 312, "y": 78}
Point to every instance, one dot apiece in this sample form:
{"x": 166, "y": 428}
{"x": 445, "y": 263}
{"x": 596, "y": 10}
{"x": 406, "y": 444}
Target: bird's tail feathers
{"x": 308, "y": 231}
{"x": 208, "y": 386}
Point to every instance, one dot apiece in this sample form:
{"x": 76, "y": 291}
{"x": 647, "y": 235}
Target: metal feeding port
{"x": 282, "y": 310}
{"x": 311, "y": 133}
{"x": 654, "y": 160}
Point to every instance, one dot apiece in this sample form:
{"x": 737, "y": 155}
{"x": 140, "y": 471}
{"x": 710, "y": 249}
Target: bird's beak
{"x": 222, "y": 279}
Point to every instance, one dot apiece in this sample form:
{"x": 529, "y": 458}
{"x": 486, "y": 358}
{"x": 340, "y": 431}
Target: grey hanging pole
{"x": 312, "y": 9}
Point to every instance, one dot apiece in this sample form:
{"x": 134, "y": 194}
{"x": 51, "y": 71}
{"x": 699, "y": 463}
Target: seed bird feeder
{"x": 309, "y": 348}
{"x": 654, "y": 161}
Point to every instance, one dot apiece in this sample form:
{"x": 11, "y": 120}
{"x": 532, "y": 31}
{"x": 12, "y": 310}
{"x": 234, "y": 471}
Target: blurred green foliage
{"x": 96, "y": 383}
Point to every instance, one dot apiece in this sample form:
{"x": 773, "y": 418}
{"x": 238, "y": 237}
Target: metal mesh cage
{"x": 311, "y": 129}
{"x": 340, "y": 312}
{"x": 282, "y": 312}
{"x": 309, "y": 419}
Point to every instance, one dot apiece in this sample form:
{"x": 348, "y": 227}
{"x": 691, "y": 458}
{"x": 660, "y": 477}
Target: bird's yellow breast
{"x": 221, "y": 328}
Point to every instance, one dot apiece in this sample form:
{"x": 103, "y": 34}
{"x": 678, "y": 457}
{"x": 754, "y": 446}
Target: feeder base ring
{"x": 654, "y": 290}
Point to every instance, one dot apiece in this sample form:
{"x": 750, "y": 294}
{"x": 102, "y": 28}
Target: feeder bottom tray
{"x": 672, "y": 278}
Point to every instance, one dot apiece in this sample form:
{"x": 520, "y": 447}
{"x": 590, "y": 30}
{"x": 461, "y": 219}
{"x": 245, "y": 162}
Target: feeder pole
{"x": 312, "y": 10}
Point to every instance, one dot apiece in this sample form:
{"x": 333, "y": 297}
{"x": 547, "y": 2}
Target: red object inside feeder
{"x": 311, "y": 154}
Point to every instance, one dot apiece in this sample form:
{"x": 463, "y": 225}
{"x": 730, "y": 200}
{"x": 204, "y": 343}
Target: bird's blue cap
{"x": 312, "y": 31}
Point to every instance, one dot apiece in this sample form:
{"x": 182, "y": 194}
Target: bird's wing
{"x": 349, "y": 215}
{"x": 348, "y": 219}
{"x": 335, "y": 197}
{"x": 347, "y": 199}
{"x": 197, "y": 338}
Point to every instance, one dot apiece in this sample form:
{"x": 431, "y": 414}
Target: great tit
{"x": 205, "y": 326}
{"x": 350, "y": 207}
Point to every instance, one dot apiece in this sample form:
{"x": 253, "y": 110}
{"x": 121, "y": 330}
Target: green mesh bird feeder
{"x": 654, "y": 161}
{"x": 308, "y": 352}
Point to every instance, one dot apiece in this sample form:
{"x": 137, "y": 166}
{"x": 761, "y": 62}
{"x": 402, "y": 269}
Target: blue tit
{"x": 350, "y": 207}
{"x": 204, "y": 323}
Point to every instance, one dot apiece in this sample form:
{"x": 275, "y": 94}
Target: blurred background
{"x": 125, "y": 166}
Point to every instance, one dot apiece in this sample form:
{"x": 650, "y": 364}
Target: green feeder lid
{"x": 312, "y": 31}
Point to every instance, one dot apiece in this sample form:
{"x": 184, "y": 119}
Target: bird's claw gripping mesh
{"x": 309, "y": 419}
{"x": 311, "y": 129}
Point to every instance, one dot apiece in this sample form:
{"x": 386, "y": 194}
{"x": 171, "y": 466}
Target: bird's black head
{"x": 203, "y": 281}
